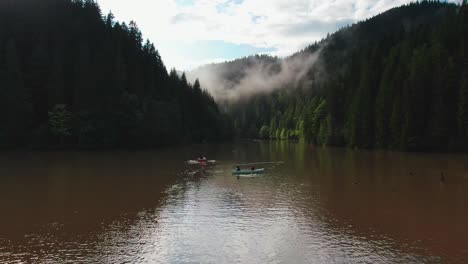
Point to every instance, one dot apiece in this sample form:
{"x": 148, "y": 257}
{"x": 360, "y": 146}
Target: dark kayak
{"x": 248, "y": 172}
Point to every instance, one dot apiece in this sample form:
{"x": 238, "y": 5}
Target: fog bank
{"x": 249, "y": 76}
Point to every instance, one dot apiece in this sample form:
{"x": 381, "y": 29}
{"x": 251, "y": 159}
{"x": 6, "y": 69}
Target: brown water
{"x": 322, "y": 205}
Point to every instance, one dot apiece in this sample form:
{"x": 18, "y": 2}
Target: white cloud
{"x": 286, "y": 25}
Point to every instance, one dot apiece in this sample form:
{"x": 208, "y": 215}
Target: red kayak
{"x": 202, "y": 162}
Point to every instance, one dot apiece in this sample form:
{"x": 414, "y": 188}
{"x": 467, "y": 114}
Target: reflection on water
{"x": 322, "y": 205}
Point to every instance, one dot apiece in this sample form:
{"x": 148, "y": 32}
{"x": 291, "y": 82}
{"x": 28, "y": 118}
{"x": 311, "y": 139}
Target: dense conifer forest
{"x": 71, "y": 76}
{"x": 396, "y": 81}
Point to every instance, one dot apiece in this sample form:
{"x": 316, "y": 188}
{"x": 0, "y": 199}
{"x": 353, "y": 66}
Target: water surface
{"x": 322, "y": 205}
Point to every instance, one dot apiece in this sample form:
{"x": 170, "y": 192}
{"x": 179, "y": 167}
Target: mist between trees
{"x": 73, "y": 77}
{"x": 398, "y": 81}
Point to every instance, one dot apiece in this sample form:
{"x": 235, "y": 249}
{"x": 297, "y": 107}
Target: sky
{"x": 190, "y": 33}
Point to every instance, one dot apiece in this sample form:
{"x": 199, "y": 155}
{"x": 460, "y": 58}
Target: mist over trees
{"x": 70, "y": 76}
{"x": 395, "y": 81}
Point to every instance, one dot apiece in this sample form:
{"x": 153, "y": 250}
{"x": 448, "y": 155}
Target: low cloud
{"x": 186, "y": 18}
{"x": 283, "y": 25}
{"x": 255, "y": 75}
{"x": 312, "y": 27}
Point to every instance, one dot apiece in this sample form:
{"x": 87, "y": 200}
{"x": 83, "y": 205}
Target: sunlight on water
{"x": 319, "y": 206}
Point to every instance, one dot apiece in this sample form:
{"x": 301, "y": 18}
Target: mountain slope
{"x": 398, "y": 80}
{"x": 71, "y": 77}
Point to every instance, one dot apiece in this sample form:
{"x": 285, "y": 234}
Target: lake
{"x": 312, "y": 205}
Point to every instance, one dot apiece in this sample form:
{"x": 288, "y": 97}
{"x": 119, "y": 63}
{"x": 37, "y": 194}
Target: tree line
{"x": 396, "y": 81}
{"x": 70, "y": 76}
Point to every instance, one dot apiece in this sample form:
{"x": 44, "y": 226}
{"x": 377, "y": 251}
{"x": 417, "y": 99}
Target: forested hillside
{"x": 70, "y": 76}
{"x": 225, "y": 78}
{"x": 398, "y": 81}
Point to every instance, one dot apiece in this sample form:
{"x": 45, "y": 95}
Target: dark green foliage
{"x": 69, "y": 76}
{"x": 60, "y": 122}
{"x": 396, "y": 81}
{"x": 16, "y": 115}
{"x": 264, "y": 132}
{"x": 463, "y": 109}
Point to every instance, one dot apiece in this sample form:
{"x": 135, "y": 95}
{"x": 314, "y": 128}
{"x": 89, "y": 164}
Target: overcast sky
{"x": 189, "y": 33}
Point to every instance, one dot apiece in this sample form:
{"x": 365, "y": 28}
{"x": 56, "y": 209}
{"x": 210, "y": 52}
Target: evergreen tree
{"x": 398, "y": 88}
{"x": 61, "y": 55}
{"x": 16, "y": 109}
{"x": 462, "y": 114}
